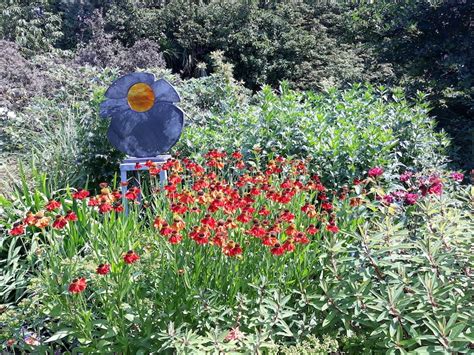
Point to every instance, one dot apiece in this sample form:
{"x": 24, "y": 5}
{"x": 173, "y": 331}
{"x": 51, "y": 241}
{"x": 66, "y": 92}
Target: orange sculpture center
{"x": 141, "y": 97}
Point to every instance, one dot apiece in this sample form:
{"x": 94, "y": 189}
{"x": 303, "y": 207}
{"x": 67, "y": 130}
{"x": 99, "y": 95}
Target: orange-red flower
{"x": 311, "y": 230}
{"x": 331, "y": 226}
{"x": 80, "y": 194}
{"x": 78, "y": 285}
{"x": 175, "y": 238}
{"x": 17, "y": 229}
{"x": 52, "y": 205}
{"x": 232, "y": 249}
{"x": 130, "y": 257}
{"x": 71, "y": 216}
{"x": 60, "y": 222}
{"x": 103, "y": 269}
{"x": 277, "y": 249}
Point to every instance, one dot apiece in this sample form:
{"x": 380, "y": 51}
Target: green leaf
{"x": 59, "y": 335}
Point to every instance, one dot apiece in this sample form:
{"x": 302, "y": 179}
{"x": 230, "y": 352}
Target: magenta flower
{"x": 457, "y": 176}
{"x": 376, "y": 171}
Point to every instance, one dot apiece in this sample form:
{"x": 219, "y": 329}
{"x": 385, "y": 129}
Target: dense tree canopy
{"x": 425, "y": 46}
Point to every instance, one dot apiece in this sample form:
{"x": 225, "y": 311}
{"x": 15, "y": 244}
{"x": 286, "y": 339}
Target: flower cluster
{"x": 223, "y": 205}
{"x": 281, "y": 206}
{"x": 108, "y": 200}
{"x": 42, "y": 219}
{"x": 417, "y": 186}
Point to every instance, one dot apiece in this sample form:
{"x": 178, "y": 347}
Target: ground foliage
{"x": 242, "y": 257}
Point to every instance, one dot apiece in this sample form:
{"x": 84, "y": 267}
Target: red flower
{"x": 93, "y": 201}
{"x": 71, "y": 216}
{"x": 178, "y": 208}
{"x": 277, "y": 249}
{"x": 244, "y": 217}
{"x": 311, "y": 230}
{"x": 201, "y": 238}
{"x": 80, "y": 194}
{"x": 60, "y": 222}
{"x": 209, "y": 221}
{"x": 78, "y": 285}
{"x": 287, "y": 216}
{"x": 153, "y": 171}
{"x": 269, "y": 241}
{"x": 232, "y": 249}
{"x": 130, "y": 257}
{"x": 301, "y": 238}
{"x": 264, "y": 212}
{"x": 103, "y": 269}
{"x": 105, "y": 207}
{"x": 327, "y": 206}
{"x": 240, "y": 165}
{"x": 237, "y": 155}
{"x": 117, "y": 207}
{"x": 166, "y": 229}
{"x": 289, "y": 246}
{"x": 332, "y": 228}
{"x": 257, "y": 231}
{"x": 132, "y": 193}
{"x": 138, "y": 166}
{"x": 376, "y": 171}
{"x": 175, "y": 238}
{"x": 52, "y": 205}
{"x": 17, "y": 229}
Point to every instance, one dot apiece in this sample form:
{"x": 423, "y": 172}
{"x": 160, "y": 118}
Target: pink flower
{"x": 234, "y": 334}
{"x": 376, "y": 171}
{"x": 406, "y": 176}
{"x": 457, "y": 176}
{"x": 410, "y": 199}
{"x": 388, "y": 199}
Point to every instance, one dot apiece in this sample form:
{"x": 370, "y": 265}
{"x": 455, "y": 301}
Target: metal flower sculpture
{"x": 145, "y": 122}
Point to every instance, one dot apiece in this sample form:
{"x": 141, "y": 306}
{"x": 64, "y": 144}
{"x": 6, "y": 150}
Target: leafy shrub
{"x": 104, "y": 51}
{"x": 34, "y": 25}
{"x": 342, "y": 131}
{"x": 377, "y": 274}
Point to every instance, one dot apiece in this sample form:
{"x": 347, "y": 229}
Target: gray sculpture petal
{"x": 149, "y": 133}
{"x": 119, "y": 88}
{"x": 165, "y": 92}
{"x": 112, "y": 107}
{"x": 124, "y": 123}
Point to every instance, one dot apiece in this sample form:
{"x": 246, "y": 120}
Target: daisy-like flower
{"x": 17, "y": 229}
{"x": 459, "y": 177}
{"x": 52, "y": 205}
{"x": 277, "y": 250}
{"x": 103, "y": 269}
{"x": 80, "y": 194}
{"x": 145, "y": 122}
{"x": 60, "y": 222}
{"x": 78, "y": 285}
{"x": 375, "y": 171}
{"x": 130, "y": 257}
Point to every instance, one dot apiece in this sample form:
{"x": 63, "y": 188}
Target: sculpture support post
{"x": 130, "y": 164}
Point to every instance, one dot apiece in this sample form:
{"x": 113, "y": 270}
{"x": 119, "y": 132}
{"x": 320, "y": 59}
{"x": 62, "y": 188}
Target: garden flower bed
{"x": 238, "y": 256}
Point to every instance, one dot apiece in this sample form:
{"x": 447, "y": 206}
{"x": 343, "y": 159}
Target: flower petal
{"x": 165, "y": 92}
{"x": 119, "y": 88}
{"x": 147, "y": 134}
{"x": 112, "y": 107}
